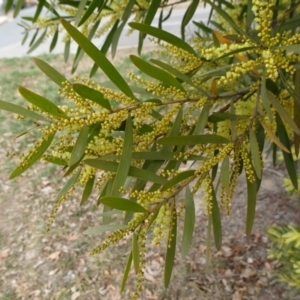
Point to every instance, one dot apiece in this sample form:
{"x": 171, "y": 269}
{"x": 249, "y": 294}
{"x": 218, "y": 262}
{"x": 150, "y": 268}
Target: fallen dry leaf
{"x": 248, "y": 272}
{"x": 54, "y": 255}
{"x": 75, "y": 295}
{"x": 237, "y": 296}
{"x": 4, "y": 253}
{"x": 73, "y": 237}
{"x": 149, "y": 277}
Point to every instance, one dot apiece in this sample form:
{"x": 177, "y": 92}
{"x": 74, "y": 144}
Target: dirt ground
{"x": 57, "y": 265}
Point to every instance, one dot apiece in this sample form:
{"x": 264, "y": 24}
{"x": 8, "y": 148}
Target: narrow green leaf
{"x": 293, "y": 48}
{"x": 80, "y": 53}
{"x": 21, "y": 111}
{"x": 274, "y": 154}
{"x": 216, "y": 220}
{"x": 160, "y": 19}
{"x": 251, "y": 204}
{"x": 91, "y": 94}
{"x": 33, "y": 157}
{"x": 38, "y": 10}
{"x": 133, "y": 171}
{"x": 219, "y": 117}
{"x": 156, "y": 115}
{"x": 215, "y": 167}
{"x": 54, "y": 41}
{"x": 152, "y": 156}
{"x": 126, "y": 271}
{"x": 55, "y": 160}
{"x": 297, "y": 111}
{"x": 136, "y": 89}
{"x": 289, "y": 24}
{"x": 152, "y": 219}
{"x": 104, "y": 228}
{"x": 38, "y": 41}
{"x": 78, "y": 56}
{"x": 72, "y": 168}
{"x": 171, "y": 165}
{"x": 106, "y": 218}
{"x": 90, "y": 10}
{"x": 155, "y": 72}
{"x": 233, "y": 123}
{"x": 18, "y": 7}
{"x": 104, "y": 192}
{"x": 283, "y": 113}
{"x": 80, "y": 145}
{"x": 157, "y": 101}
{"x": 135, "y": 253}
{"x": 249, "y": 15}
{"x": 79, "y": 12}
{"x": 99, "y": 58}
{"x": 215, "y": 72}
{"x": 163, "y": 35}
{"x": 118, "y": 30}
{"x": 168, "y": 15}
{"x": 34, "y": 37}
{"x": 51, "y": 9}
{"x": 295, "y": 93}
{"x": 109, "y": 39}
{"x": 177, "y": 179}
{"x": 202, "y": 120}
{"x": 264, "y": 98}
{"x": 154, "y": 5}
{"x": 255, "y": 153}
{"x": 93, "y": 70}
{"x": 141, "y": 35}
{"x": 94, "y": 131}
{"x": 8, "y": 5}
{"x": 193, "y": 140}
{"x": 235, "y": 52}
{"x": 67, "y": 50}
{"x": 273, "y": 137}
{"x": 226, "y": 17}
{"x": 69, "y": 184}
{"x": 288, "y": 157}
{"x": 125, "y": 161}
{"x": 25, "y": 38}
{"x": 174, "y": 131}
{"x": 189, "y": 222}
{"x": 170, "y": 255}
{"x": 178, "y": 74}
{"x": 116, "y": 38}
{"x": 54, "y": 75}
{"x": 203, "y": 27}
{"x": 228, "y": 4}
{"x": 224, "y": 174}
{"x": 260, "y": 136}
{"x": 233, "y": 37}
{"x": 127, "y": 11}
{"x": 42, "y": 103}
{"x": 122, "y": 204}
{"x": 188, "y": 16}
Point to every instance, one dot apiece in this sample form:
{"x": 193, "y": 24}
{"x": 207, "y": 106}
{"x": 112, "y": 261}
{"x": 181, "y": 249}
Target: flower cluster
{"x": 203, "y": 123}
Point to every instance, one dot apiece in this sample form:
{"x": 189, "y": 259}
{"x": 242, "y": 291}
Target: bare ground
{"x": 57, "y": 265}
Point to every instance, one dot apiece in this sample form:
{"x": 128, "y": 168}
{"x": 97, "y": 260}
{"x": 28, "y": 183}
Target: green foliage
{"x": 284, "y": 248}
{"x": 206, "y": 104}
